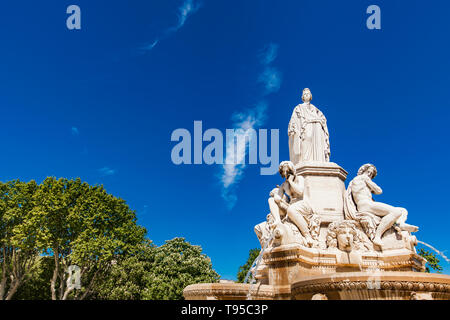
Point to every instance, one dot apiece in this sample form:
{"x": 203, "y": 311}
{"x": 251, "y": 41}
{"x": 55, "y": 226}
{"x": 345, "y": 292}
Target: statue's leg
{"x": 274, "y": 209}
{"x": 409, "y": 227}
{"x": 402, "y": 222}
{"x": 389, "y": 213}
{"x": 295, "y": 215}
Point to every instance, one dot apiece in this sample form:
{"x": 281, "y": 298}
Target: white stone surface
{"x": 324, "y": 188}
{"x": 308, "y": 133}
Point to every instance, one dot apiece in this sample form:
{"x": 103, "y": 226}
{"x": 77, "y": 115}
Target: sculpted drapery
{"x": 308, "y": 133}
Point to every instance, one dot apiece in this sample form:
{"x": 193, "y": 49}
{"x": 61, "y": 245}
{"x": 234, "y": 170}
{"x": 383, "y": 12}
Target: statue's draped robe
{"x": 308, "y": 135}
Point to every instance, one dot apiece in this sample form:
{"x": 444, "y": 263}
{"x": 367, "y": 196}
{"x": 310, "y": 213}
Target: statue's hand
{"x": 274, "y": 191}
{"x": 277, "y": 199}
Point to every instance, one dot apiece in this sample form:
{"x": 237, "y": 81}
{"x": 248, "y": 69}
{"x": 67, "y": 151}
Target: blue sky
{"x": 101, "y": 103}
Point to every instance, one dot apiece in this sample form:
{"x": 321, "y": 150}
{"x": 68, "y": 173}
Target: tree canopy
{"x": 46, "y": 228}
{"x": 243, "y": 270}
{"x": 159, "y": 273}
{"x": 19, "y": 247}
{"x": 432, "y": 261}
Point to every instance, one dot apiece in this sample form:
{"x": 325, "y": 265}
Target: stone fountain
{"x": 323, "y": 241}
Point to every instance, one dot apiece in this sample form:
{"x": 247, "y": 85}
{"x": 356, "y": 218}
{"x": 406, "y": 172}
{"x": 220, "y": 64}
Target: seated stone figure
{"x": 288, "y": 199}
{"x": 375, "y": 217}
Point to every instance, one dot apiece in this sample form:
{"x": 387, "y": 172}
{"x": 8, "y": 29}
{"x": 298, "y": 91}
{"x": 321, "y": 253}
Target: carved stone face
{"x": 345, "y": 239}
{"x": 306, "y": 97}
{"x": 285, "y": 169}
{"x": 370, "y": 172}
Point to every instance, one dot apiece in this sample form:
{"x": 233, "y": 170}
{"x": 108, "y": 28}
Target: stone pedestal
{"x": 324, "y": 188}
{"x": 228, "y": 291}
{"x": 374, "y": 286}
{"x": 366, "y": 285}
{"x": 289, "y": 264}
{"x": 295, "y": 272}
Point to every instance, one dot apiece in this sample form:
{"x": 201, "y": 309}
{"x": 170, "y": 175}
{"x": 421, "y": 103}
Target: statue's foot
{"x": 408, "y": 227}
{"x": 377, "y": 241}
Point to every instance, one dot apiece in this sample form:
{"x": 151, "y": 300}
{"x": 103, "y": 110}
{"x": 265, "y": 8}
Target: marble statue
{"x": 264, "y": 229}
{"x": 345, "y": 236}
{"x": 308, "y": 133}
{"x": 322, "y": 240}
{"x": 288, "y": 199}
{"x": 375, "y": 217}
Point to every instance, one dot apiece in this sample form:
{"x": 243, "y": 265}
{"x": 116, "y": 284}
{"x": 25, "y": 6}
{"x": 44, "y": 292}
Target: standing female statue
{"x": 308, "y": 133}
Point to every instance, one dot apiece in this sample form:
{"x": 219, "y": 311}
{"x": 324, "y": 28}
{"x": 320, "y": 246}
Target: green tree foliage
{"x": 46, "y": 228}
{"x": 243, "y": 270}
{"x": 432, "y": 261}
{"x": 177, "y": 264}
{"x": 37, "y": 286}
{"x": 18, "y": 249}
{"x": 84, "y": 226}
{"x": 128, "y": 277}
{"x": 69, "y": 221}
{"x": 159, "y": 273}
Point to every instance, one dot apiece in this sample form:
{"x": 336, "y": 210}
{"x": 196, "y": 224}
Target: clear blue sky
{"x": 101, "y": 103}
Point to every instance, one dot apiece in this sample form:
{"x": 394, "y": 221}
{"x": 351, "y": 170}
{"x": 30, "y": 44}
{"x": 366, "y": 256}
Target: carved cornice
{"x": 318, "y": 258}
{"x": 399, "y": 281}
{"x": 321, "y": 169}
{"x": 370, "y": 285}
{"x": 227, "y": 291}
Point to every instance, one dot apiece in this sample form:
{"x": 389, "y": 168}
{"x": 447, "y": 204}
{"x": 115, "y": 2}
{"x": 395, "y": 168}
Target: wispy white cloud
{"x": 268, "y": 54}
{"x": 271, "y": 79}
{"x": 243, "y": 123}
{"x": 150, "y": 46}
{"x": 271, "y": 76}
{"x": 74, "y": 131}
{"x": 248, "y": 120}
{"x": 188, "y": 8}
{"x": 107, "y": 171}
